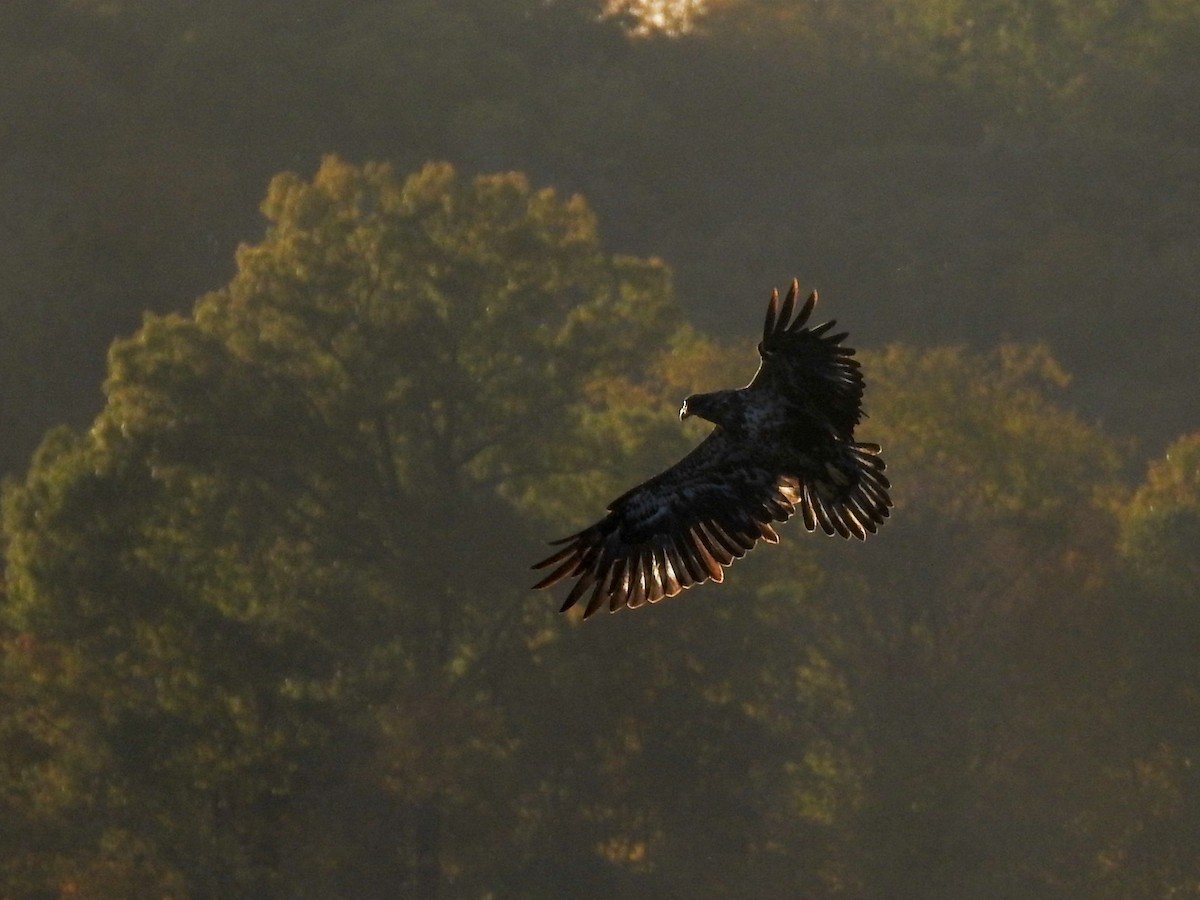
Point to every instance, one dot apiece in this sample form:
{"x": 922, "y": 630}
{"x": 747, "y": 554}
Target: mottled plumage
{"x": 783, "y": 443}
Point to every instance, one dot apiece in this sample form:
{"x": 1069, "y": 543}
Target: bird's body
{"x": 784, "y": 442}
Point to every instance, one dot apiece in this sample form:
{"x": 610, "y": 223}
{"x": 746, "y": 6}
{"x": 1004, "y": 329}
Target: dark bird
{"x": 784, "y": 442}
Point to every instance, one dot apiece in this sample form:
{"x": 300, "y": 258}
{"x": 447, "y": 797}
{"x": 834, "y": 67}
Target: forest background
{"x": 265, "y": 629}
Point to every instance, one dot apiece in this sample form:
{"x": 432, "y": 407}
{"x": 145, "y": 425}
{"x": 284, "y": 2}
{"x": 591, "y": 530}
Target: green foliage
{"x": 267, "y": 631}
{"x": 1162, "y": 523}
{"x": 976, "y": 632}
{"x": 264, "y": 623}
{"x": 1018, "y": 59}
{"x": 991, "y": 165}
{"x": 1160, "y": 526}
{"x": 258, "y": 555}
{"x": 981, "y": 435}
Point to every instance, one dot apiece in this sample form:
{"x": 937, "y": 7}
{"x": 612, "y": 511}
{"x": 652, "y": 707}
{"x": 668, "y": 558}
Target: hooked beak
{"x": 683, "y": 411}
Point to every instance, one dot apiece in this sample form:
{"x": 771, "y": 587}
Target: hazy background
{"x": 943, "y": 171}
{"x": 265, "y": 629}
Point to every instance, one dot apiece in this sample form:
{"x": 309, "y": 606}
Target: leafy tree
{"x": 265, "y": 631}
{"x": 282, "y": 562}
{"x": 966, "y": 158}
{"x": 975, "y": 634}
{"x": 1151, "y": 853}
{"x": 1162, "y": 523}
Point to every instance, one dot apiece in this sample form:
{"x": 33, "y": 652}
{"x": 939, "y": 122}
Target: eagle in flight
{"x": 784, "y": 442}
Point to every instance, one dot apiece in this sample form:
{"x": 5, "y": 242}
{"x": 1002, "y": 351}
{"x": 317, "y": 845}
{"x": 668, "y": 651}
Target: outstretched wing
{"x": 809, "y": 367}
{"x": 842, "y": 488}
{"x": 675, "y": 530}
{"x": 683, "y": 526}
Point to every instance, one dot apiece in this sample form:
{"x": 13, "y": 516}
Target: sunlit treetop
{"x": 657, "y": 17}
{"x": 1162, "y": 523}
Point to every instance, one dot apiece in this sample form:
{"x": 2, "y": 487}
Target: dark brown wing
{"x": 842, "y": 488}
{"x": 683, "y": 526}
{"x": 808, "y": 366}
{"x": 676, "y": 530}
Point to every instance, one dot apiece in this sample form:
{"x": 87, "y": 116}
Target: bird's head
{"x": 718, "y": 407}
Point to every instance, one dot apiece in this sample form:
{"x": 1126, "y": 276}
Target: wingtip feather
{"x": 555, "y": 557}
{"x": 772, "y": 314}
{"x": 566, "y": 569}
{"x": 805, "y": 311}
{"x": 789, "y": 306}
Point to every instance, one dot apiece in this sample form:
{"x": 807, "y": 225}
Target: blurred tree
{"x": 966, "y": 157}
{"x": 264, "y": 630}
{"x": 975, "y": 170}
{"x": 692, "y": 748}
{"x": 1150, "y": 854}
{"x": 1162, "y": 524}
{"x": 281, "y": 563}
{"x": 1018, "y": 60}
{"x": 976, "y": 636}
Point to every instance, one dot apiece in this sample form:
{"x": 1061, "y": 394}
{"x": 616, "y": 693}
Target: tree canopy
{"x": 257, "y": 613}
{"x": 264, "y": 628}
{"x": 983, "y": 170}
